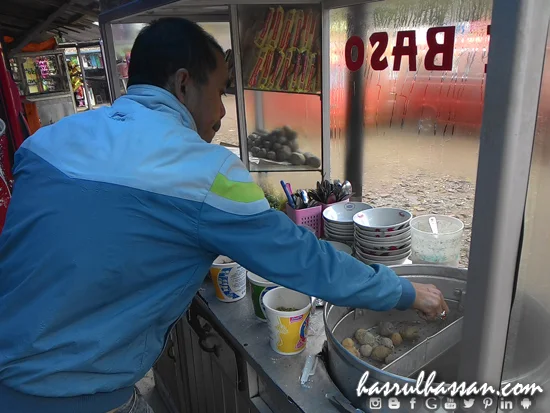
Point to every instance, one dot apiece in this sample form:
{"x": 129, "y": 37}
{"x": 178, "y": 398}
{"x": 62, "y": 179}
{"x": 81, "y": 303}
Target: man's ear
{"x": 181, "y": 81}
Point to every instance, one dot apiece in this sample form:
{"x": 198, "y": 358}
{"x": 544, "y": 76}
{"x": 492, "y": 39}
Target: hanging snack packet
{"x": 311, "y": 32}
{"x": 307, "y": 27}
{"x": 295, "y": 76}
{"x": 276, "y": 28}
{"x": 287, "y": 30}
{"x": 285, "y": 71}
{"x": 311, "y": 84}
{"x": 276, "y": 71}
{"x": 267, "y": 68}
{"x": 303, "y": 76}
{"x": 297, "y": 30}
{"x": 258, "y": 68}
{"x": 261, "y": 37}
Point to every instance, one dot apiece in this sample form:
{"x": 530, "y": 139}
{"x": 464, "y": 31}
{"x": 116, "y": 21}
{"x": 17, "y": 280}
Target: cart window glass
{"x": 416, "y": 68}
{"x": 527, "y": 352}
{"x": 124, "y": 36}
{"x": 281, "y": 65}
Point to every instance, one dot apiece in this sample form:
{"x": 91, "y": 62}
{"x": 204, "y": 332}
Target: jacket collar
{"x": 156, "y": 98}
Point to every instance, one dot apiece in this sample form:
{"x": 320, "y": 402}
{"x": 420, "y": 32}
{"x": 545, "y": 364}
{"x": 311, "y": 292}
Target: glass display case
{"x": 43, "y": 79}
{"x": 44, "y": 74}
{"x": 280, "y": 52}
{"x": 88, "y": 76}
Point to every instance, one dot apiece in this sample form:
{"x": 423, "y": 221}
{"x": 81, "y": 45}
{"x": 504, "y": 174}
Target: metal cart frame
{"x": 519, "y": 32}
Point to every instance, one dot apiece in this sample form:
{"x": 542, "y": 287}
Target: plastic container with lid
{"x": 442, "y": 248}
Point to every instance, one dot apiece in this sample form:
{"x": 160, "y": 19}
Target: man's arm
{"x": 236, "y": 221}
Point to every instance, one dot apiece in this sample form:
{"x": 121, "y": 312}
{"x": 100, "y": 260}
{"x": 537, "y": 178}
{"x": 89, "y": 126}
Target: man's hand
{"x": 429, "y": 301}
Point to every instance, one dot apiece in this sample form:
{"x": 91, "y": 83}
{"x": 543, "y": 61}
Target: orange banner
{"x": 49, "y": 44}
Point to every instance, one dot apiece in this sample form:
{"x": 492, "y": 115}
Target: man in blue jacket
{"x": 115, "y": 219}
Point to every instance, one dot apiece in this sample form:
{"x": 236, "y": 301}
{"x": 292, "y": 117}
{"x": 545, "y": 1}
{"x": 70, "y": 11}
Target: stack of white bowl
{"x": 383, "y": 236}
{"x": 338, "y": 220}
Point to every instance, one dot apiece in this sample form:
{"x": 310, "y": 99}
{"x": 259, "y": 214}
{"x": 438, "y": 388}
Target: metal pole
{"x": 356, "y": 115}
{"x": 519, "y": 31}
{"x": 86, "y": 89}
{"x": 259, "y": 110}
{"x": 325, "y": 91}
{"x": 109, "y": 60}
{"x": 239, "y": 86}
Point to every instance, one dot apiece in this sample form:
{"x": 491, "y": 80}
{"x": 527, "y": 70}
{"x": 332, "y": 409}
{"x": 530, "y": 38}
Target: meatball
{"x": 365, "y": 350}
{"x": 385, "y": 328}
{"x": 348, "y": 342}
{"x": 396, "y": 339}
{"x": 386, "y": 342}
{"x": 380, "y": 353}
{"x": 391, "y": 358}
{"x": 409, "y": 333}
{"x": 364, "y": 337}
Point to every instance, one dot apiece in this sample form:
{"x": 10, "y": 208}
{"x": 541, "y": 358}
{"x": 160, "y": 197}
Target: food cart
{"x": 43, "y": 79}
{"x": 384, "y": 69}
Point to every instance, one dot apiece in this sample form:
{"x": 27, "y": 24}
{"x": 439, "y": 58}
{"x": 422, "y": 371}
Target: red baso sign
{"x": 405, "y": 45}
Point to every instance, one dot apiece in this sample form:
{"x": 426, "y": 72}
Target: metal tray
{"x": 434, "y": 338}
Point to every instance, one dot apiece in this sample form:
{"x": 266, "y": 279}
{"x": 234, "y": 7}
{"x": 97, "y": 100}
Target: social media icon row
{"x": 449, "y": 403}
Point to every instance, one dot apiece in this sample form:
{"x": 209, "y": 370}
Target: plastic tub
{"x": 229, "y": 279}
{"x": 443, "y": 248}
{"x": 259, "y": 287}
{"x": 287, "y": 329}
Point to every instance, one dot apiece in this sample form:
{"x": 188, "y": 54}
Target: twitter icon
{"x": 468, "y": 403}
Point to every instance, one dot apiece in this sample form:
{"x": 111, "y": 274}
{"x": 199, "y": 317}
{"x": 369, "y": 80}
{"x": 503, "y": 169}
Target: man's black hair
{"x": 167, "y": 45}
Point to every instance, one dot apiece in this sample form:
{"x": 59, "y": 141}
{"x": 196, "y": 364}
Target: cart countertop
{"x": 284, "y": 372}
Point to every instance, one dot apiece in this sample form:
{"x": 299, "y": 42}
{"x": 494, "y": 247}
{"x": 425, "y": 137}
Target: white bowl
{"x": 336, "y": 237}
{"x": 383, "y": 219}
{"x": 344, "y": 212}
{"x": 370, "y": 236}
{"x": 382, "y": 259}
{"x": 386, "y": 263}
{"x": 333, "y": 228}
{"x": 384, "y": 246}
{"x": 339, "y": 246}
{"x": 339, "y": 231}
{"x": 382, "y": 253}
{"x": 381, "y": 234}
{"x": 338, "y": 225}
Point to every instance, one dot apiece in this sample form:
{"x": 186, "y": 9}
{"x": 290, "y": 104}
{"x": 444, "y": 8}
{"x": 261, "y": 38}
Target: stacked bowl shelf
{"x": 382, "y": 236}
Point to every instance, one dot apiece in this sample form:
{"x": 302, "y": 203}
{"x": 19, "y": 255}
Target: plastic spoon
{"x": 433, "y": 225}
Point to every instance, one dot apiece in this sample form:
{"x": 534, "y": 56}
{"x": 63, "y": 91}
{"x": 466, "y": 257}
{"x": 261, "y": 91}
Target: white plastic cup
{"x": 229, "y": 279}
{"x": 287, "y": 329}
{"x": 258, "y": 289}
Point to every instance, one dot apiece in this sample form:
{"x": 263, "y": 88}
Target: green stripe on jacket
{"x": 245, "y": 192}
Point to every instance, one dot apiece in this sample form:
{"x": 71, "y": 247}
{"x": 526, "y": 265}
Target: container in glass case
{"x": 281, "y": 48}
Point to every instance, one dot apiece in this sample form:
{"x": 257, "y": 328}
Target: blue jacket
{"x": 116, "y": 217}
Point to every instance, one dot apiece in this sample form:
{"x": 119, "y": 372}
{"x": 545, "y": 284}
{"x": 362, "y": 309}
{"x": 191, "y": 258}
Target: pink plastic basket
{"x": 310, "y": 217}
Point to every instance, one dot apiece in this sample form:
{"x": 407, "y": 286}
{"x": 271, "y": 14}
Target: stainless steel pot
{"x": 347, "y": 370}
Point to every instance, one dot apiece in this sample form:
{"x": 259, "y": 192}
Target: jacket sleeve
{"x": 236, "y": 221}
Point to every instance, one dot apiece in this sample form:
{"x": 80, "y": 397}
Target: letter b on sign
{"x": 446, "y": 49}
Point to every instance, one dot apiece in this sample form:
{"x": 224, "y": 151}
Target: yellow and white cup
{"x": 229, "y": 279}
{"x": 287, "y": 329}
